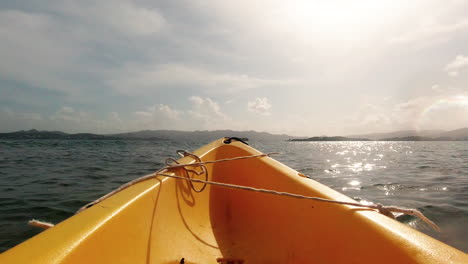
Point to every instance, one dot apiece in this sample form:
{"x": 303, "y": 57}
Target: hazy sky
{"x": 297, "y": 67}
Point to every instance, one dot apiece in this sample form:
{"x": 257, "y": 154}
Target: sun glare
{"x": 336, "y": 17}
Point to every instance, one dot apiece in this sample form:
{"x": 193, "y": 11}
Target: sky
{"x": 302, "y": 68}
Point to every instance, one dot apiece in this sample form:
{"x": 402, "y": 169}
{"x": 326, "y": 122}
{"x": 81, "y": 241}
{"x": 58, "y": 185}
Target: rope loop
{"x": 204, "y": 171}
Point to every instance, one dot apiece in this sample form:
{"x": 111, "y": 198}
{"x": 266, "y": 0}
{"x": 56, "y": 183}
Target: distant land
{"x": 402, "y": 135}
{"x": 175, "y": 135}
{"x": 418, "y": 138}
{"x": 36, "y": 134}
{"x": 172, "y": 135}
{"x": 329, "y": 139}
{"x": 457, "y": 134}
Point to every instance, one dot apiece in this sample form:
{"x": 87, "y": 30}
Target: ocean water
{"x": 50, "y": 179}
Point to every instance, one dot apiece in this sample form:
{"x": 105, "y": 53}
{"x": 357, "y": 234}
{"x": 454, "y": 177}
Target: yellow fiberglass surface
{"x": 163, "y": 220}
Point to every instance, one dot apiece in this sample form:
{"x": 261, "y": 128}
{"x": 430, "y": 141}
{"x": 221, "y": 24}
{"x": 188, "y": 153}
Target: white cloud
{"x": 158, "y": 111}
{"x": 453, "y": 67}
{"x": 115, "y": 117}
{"x": 420, "y": 113}
{"x": 64, "y": 119}
{"x": 106, "y": 50}
{"x": 76, "y": 121}
{"x": 260, "y": 106}
{"x": 13, "y": 120}
{"x": 159, "y": 116}
{"x": 431, "y": 31}
{"x": 69, "y": 114}
{"x": 204, "y": 113}
{"x": 207, "y": 114}
{"x": 205, "y": 107}
{"x": 121, "y": 16}
{"x": 57, "y": 44}
{"x": 35, "y": 50}
{"x": 368, "y": 117}
{"x": 139, "y": 79}
{"x": 115, "y": 123}
{"x": 71, "y": 120}
{"x": 8, "y": 113}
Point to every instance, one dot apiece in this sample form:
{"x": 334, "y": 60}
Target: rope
{"x": 168, "y": 167}
{"x": 385, "y": 210}
{"x": 173, "y": 164}
{"x": 204, "y": 171}
{"x": 41, "y": 224}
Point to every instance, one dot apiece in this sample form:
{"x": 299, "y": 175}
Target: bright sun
{"x": 336, "y": 16}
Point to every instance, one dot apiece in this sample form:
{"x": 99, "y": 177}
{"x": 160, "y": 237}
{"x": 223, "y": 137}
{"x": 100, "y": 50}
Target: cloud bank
{"x": 306, "y": 68}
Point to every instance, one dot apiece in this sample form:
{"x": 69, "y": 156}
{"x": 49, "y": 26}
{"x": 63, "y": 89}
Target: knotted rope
{"x": 183, "y": 153}
{"x": 170, "y": 165}
{"x": 385, "y": 210}
{"x": 173, "y": 164}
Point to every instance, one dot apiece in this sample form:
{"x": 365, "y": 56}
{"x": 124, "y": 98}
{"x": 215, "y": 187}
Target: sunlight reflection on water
{"x": 429, "y": 176}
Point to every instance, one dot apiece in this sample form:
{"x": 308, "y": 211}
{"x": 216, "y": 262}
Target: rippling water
{"x": 51, "y": 179}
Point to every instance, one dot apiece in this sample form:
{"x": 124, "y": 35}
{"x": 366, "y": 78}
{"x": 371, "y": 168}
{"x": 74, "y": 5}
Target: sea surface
{"x": 50, "y": 179}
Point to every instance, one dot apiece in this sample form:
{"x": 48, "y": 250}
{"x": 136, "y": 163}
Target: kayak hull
{"x": 163, "y": 220}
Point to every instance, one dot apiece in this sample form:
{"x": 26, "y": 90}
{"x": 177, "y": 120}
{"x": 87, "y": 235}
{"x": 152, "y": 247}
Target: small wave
{"x": 425, "y": 167}
{"x": 392, "y": 186}
{"x": 50, "y": 211}
{"x": 95, "y": 176}
{"x": 73, "y": 204}
{"x": 444, "y": 178}
{"x": 11, "y": 202}
{"x": 92, "y": 168}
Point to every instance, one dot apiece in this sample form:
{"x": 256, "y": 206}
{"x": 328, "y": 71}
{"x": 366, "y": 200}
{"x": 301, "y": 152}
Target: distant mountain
{"x": 459, "y": 134}
{"x": 173, "y": 135}
{"x": 418, "y": 138}
{"x": 330, "y": 139}
{"x": 176, "y": 135}
{"x": 207, "y": 136}
{"x": 36, "y": 134}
